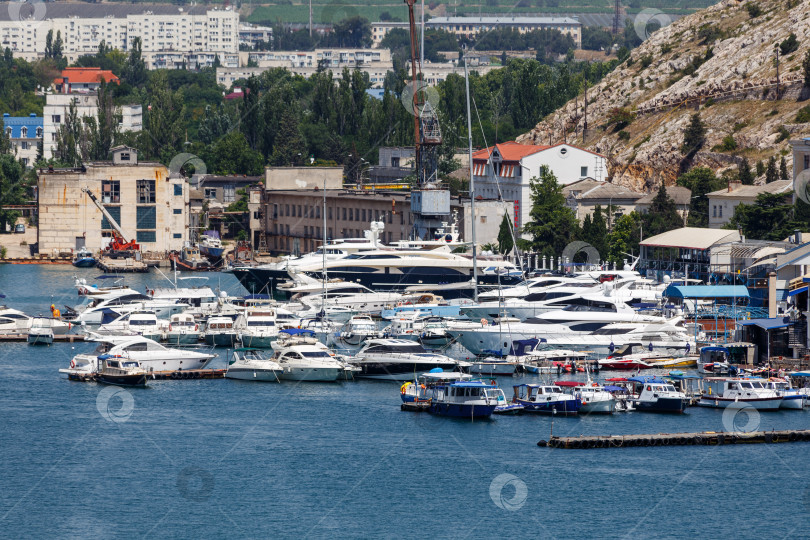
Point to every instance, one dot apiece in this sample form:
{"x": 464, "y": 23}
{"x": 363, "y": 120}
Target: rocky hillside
{"x": 720, "y": 61}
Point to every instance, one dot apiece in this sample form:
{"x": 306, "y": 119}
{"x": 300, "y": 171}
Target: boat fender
{"x": 404, "y": 388}
{"x": 484, "y": 322}
{"x": 174, "y": 375}
{"x": 170, "y": 327}
{"x": 196, "y": 327}
{"x": 73, "y": 363}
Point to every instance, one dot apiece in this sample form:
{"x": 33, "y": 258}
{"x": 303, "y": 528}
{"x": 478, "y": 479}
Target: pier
{"x": 183, "y": 374}
{"x": 65, "y": 338}
{"x": 117, "y": 266}
{"x": 704, "y": 438}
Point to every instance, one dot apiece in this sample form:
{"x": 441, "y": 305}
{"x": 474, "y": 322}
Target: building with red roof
{"x": 83, "y": 80}
{"x": 504, "y": 171}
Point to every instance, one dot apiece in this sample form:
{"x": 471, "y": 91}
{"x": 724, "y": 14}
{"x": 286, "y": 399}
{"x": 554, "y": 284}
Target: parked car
{"x": 19, "y": 228}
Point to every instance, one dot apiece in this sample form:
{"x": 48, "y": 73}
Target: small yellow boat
{"x": 666, "y": 363}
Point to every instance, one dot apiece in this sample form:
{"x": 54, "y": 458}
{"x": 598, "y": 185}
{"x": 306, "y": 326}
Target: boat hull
{"x": 606, "y": 406}
{"x": 494, "y": 368}
{"x": 564, "y": 406}
{"x": 662, "y": 405}
{"x": 122, "y": 380}
{"x": 460, "y": 410}
{"x": 221, "y": 340}
{"x": 405, "y": 371}
{"x": 182, "y": 339}
{"x": 248, "y": 374}
{"x": 84, "y": 263}
{"x": 763, "y": 404}
{"x": 311, "y": 374}
{"x": 40, "y": 339}
{"x": 795, "y": 401}
{"x": 258, "y": 342}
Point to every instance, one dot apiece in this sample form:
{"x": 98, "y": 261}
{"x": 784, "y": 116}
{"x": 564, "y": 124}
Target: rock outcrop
{"x": 720, "y": 61}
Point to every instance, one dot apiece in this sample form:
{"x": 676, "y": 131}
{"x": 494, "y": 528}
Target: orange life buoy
{"x": 483, "y": 322}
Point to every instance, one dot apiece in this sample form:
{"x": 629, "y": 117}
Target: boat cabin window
{"x": 261, "y": 323}
{"x": 670, "y": 388}
{"x": 402, "y": 349}
{"x": 129, "y": 364}
{"x": 143, "y": 322}
{"x": 135, "y": 347}
{"x": 316, "y": 354}
{"x": 6, "y": 321}
{"x": 113, "y": 363}
{"x": 746, "y": 385}
{"x": 15, "y": 316}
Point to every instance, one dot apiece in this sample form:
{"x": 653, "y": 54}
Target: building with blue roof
{"x": 25, "y": 133}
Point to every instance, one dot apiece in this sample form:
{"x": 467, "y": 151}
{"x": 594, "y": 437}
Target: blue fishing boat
{"x": 653, "y": 394}
{"x": 546, "y": 399}
{"x": 463, "y": 399}
{"x": 84, "y": 259}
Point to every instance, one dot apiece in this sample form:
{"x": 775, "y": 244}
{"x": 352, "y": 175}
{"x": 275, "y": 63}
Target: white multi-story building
{"x": 435, "y": 73}
{"x": 470, "y": 27}
{"x": 504, "y": 171}
{"x": 80, "y": 86}
{"x": 375, "y": 62}
{"x": 82, "y": 27}
{"x": 24, "y": 134}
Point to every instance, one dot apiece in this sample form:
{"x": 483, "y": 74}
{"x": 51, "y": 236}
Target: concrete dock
{"x": 704, "y": 438}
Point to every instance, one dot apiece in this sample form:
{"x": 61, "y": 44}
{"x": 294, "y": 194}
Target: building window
{"x": 210, "y": 193}
{"x": 146, "y": 217}
{"x": 329, "y": 210}
{"x": 146, "y": 236}
{"x": 714, "y": 211}
{"x": 115, "y": 213}
{"x": 56, "y": 119}
{"x": 24, "y": 145}
{"x": 300, "y": 211}
{"x": 178, "y": 190}
{"x": 8, "y": 132}
{"x": 317, "y": 212}
{"x": 719, "y": 211}
{"x": 146, "y": 191}
{"x": 583, "y": 172}
{"x": 287, "y": 210}
{"x": 229, "y": 194}
{"x": 807, "y": 161}
{"x": 39, "y": 133}
{"x": 177, "y": 235}
{"x": 111, "y": 191}
{"x": 351, "y": 214}
{"x": 344, "y": 214}
{"x": 123, "y": 156}
{"x": 24, "y": 132}
{"x": 177, "y": 211}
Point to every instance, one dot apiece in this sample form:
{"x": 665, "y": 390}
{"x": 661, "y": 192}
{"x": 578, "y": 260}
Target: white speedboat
{"x": 256, "y": 327}
{"x": 122, "y": 303}
{"x": 494, "y": 366}
{"x": 149, "y": 354}
{"x": 399, "y": 360}
{"x": 792, "y": 398}
{"x": 653, "y": 394}
{"x": 182, "y": 330}
{"x": 253, "y": 365}
{"x": 16, "y": 323}
{"x": 736, "y": 392}
{"x": 41, "y": 331}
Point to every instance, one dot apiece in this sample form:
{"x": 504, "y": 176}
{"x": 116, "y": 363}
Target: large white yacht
{"x": 149, "y": 354}
{"x": 124, "y": 302}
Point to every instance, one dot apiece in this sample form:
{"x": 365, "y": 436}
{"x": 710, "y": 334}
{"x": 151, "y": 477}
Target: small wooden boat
{"x": 190, "y": 259}
{"x": 120, "y": 371}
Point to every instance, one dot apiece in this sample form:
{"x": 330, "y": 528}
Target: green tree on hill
{"x": 783, "y": 172}
{"x": 745, "y": 174}
{"x": 624, "y": 238}
{"x": 771, "y": 175}
{"x": 694, "y": 136}
{"x": 771, "y": 217}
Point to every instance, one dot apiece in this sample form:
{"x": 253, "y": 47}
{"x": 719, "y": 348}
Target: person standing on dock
{"x": 55, "y": 313}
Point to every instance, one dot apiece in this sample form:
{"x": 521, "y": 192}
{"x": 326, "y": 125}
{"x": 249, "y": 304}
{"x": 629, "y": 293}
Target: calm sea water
{"x": 222, "y": 458}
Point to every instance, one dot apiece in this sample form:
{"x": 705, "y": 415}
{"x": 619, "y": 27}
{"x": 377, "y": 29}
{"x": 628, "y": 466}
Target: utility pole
{"x": 585, "y": 122}
{"x": 310, "y": 18}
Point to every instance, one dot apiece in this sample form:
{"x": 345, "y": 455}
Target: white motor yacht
{"x": 256, "y": 327}
{"x": 182, "y": 330}
{"x": 253, "y": 365}
{"x": 14, "y": 322}
{"x": 121, "y": 304}
{"x": 354, "y": 333}
{"x": 142, "y": 323}
{"x": 219, "y": 332}
{"x": 149, "y": 354}
{"x": 305, "y": 360}
{"x": 399, "y": 360}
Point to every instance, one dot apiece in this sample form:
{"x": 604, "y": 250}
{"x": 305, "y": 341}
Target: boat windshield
{"x": 746, "y": 385}
{"x": 402, "y": 349}
{"x": 143, "y": 322}
{"x": 261, "y": 323}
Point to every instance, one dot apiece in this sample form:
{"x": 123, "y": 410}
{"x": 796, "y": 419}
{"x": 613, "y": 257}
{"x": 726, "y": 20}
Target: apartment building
{"x": 161, "y": 28}
{"x": 470, "y": 27}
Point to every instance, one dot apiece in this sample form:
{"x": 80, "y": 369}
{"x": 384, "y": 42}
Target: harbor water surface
{"x": 221, "y": 458}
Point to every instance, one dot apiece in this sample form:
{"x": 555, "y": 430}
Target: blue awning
{"x": 800, "y": 290}
{"x": 767, "y": 324}
{"x": 706, "y": 291}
